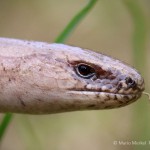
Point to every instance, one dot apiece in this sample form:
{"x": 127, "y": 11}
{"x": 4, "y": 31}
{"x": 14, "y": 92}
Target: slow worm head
{"x": 42, "y": 78}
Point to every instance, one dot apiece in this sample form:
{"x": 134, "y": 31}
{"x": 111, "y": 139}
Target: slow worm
{"x": 42, "y": 78}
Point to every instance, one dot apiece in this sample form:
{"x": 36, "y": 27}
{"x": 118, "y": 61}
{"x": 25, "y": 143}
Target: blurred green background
{"x": 117, "y": 28}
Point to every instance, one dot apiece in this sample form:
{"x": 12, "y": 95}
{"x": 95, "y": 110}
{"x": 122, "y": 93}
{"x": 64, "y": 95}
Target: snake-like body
{"x": 42, "y": 78}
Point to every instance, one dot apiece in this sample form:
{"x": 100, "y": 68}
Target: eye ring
{"x": 85, "y": 71}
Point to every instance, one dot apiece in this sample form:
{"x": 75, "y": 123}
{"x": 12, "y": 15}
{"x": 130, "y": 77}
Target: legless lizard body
{"x": 42, "y": 78}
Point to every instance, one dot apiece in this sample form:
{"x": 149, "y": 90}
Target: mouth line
{"x": 109, "y": 100}
{"x": 107, "y": 93}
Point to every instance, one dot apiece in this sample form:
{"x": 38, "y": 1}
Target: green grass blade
{"x": 141, "y": 125}
{"x": 139, "y": 34}
{"x": 4, "y": 124}
{"x": 74, "y": 22}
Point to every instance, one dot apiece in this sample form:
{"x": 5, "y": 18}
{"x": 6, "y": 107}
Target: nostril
{"x": 131, "y": 83}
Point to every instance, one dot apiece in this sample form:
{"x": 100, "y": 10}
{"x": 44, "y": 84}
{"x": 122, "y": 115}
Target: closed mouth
{"x": 108, "y": 95}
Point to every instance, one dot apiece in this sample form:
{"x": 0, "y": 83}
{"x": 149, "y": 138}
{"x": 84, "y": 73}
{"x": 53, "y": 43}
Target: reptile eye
{"x": 85, "y": 71}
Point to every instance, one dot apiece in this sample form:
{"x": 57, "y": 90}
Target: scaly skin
{"x": 42, "y": 78}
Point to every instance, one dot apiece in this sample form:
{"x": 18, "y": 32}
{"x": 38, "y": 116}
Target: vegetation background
{"x": 119, "y": 28}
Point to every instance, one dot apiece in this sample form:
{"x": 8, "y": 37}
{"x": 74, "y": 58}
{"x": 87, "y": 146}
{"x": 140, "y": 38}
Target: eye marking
{"x": 85, "y": 71}
{"x": 92, "y": 72}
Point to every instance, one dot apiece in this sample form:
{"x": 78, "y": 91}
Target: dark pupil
{"x": 85, "y": 70}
